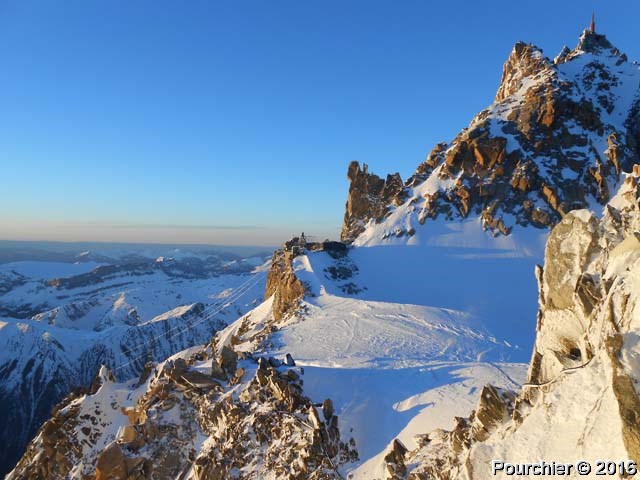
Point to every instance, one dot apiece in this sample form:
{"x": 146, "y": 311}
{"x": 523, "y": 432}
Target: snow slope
{"x": 494, "y": 288}
{"x": 401, "y": 345}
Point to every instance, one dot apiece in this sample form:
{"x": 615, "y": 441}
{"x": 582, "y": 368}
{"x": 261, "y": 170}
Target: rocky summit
{"x": 556, "y": 138}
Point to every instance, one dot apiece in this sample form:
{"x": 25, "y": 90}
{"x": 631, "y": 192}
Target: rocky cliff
{"x": 581, "y": 401}
{"x": 370, "y": 197}
{"x": 555, "y": 139}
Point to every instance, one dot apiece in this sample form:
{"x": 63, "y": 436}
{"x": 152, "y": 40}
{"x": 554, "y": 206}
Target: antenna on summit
{"x": 592, "y": 27}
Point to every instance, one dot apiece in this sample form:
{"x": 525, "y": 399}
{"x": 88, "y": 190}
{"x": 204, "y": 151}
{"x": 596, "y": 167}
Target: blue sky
{"x": 234, "y": 121}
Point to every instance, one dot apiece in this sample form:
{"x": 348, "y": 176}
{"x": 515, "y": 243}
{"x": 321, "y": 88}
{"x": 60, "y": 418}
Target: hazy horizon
{"x": 212, "y": 235}
{"x": 65, "y": 246}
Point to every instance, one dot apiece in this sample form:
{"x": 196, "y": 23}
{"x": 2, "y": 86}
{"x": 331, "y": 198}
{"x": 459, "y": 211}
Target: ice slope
{"x": 445, "y": 391}
{"x": 495, "y": 288}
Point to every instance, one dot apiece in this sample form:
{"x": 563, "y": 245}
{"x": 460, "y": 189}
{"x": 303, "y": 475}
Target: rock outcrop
{"x": 370, "y": 197}
{"x": 556, "y": 139}
{"x": 283, "y": 284}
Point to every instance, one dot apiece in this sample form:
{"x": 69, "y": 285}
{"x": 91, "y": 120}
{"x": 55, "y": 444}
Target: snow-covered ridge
{"x": 206, "y": 412}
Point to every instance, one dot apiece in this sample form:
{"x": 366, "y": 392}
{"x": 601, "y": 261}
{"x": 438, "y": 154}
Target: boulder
{"x": 228, "y": 360}
{"x": 111, "y": 464}
{"x": 217, "y": 371}
{"x": 327, "y": 409}
{"x": 395, "y": 460}
{"x": 288, "y": 361}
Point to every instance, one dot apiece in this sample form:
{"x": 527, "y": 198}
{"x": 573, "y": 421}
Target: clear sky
{"x": 233, "y": 122}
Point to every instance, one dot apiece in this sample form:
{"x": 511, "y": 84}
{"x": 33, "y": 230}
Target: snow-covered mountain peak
{"x": 401, "y": 343}
{"x": 556, "y": 138}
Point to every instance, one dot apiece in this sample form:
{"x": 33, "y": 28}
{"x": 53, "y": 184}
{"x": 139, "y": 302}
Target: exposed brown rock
{"x": 394, "y": 460}
{"x": 228, "y": 360}
{"x": 525, "y": 60}
{"x": 283, "y": 284}
{"x": 369, "y": 198}
{"x": 495, "y": 406}
{"x": 146, "y": 372}
{"x": 628, "y": 399}
{"x": 112, "y": 464}
{"x": 327, "y": 409}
